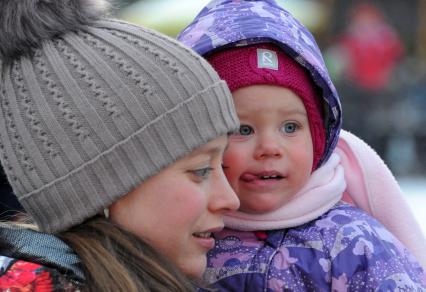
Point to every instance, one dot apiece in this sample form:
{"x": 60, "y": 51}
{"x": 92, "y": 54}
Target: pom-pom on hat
{"x": 268, "y": 64}
{"x": 91, "y": 107}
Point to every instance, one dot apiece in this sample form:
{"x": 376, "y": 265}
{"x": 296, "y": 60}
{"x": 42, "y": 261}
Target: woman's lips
{"x": 207, "y": 242}
{"x": 205, "y": 239}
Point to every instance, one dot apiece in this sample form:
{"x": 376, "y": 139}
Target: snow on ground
{"x": 415, "y": 191}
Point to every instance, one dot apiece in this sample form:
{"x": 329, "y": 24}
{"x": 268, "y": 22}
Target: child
{"x": 104, "y": 139}
{"x": 291, "y": 232}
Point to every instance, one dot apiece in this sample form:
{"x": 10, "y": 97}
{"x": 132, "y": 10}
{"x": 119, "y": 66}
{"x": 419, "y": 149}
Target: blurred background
{"x": 376, "y": 53}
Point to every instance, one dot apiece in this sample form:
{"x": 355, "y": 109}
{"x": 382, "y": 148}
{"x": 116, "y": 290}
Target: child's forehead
{"x": 270, "y": 98}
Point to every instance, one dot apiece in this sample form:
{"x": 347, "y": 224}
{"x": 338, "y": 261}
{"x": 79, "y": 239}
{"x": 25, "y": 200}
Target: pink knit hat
{"x": 268, "y": 64}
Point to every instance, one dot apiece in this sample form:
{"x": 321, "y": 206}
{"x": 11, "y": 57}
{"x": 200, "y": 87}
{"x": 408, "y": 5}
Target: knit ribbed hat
{"x": 268, "y": 64}
{"x": 92, "y": 107}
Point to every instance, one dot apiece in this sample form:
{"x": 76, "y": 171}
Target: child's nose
{"x": 268, "y": 146}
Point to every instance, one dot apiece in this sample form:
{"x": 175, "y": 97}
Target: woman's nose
{"x": 223, "y": 196}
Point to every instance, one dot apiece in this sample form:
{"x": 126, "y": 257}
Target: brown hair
{"x": 116, "y": 260}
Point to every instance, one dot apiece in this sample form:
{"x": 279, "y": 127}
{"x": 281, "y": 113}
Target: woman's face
{"x": 178, "y": 209}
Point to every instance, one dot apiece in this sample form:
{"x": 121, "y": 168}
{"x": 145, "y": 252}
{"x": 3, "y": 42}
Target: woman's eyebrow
{"x": 226, "y": 147}
{"x": 210, "y": 151}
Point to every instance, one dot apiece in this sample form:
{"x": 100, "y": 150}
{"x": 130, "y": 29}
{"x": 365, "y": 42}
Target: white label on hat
{"x": 267, "y": 59}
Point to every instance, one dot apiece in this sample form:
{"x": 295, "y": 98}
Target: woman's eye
{"x": 289, "y": 128}
{"x": 202, "y": 172}
{"x": 245, "y": 130}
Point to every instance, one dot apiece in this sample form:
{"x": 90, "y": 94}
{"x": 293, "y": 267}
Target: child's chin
{"x": 259, "y": 208}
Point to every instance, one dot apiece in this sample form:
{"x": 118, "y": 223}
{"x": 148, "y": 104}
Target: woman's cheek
{"x": 232, "y": 162}
{"x": 231, "y": 157}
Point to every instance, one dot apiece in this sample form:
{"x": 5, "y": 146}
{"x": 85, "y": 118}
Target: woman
{"x": 112, "y": 137}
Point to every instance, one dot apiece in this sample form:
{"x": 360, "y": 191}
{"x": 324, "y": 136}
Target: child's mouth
{"x": 269, "y": 175}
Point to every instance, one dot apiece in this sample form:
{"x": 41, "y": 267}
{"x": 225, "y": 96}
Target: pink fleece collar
{"x": 323, "y": 190}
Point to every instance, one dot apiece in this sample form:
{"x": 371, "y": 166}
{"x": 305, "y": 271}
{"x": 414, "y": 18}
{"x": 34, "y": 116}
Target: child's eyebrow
{"x": 293, "y": 111}
{"x": 283, "y": 111}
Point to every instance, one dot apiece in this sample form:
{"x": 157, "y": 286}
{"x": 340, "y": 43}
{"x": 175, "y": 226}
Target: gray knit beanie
{"x": 91, "y": 107}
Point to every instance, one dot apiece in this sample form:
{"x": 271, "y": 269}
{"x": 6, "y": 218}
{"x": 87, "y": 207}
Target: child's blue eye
{"x": 245, "y": 130}
{"x": 202, "y": 172}
{"x": 289, "y": 127}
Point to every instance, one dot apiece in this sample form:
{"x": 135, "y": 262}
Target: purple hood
{"x": 228, "y": 23}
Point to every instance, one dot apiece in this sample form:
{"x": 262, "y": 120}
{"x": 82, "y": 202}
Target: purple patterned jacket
{"x": 343, "y": 250}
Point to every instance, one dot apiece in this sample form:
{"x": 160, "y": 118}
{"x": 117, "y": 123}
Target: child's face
{"x": 270, "y": 159}
{"x": 176, "y": 210}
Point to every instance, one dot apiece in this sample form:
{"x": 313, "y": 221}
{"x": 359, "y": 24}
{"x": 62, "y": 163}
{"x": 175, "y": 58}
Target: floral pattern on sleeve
{"x": 22, "y": 276}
